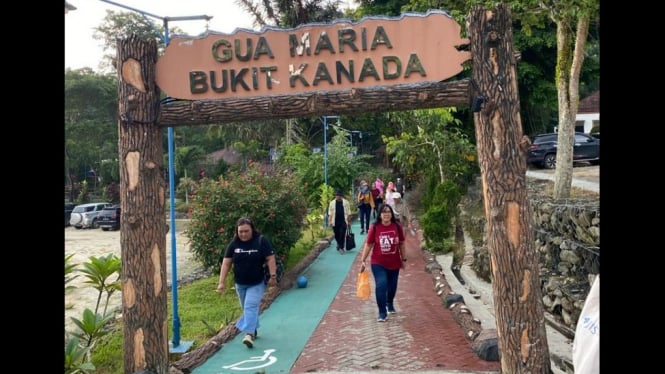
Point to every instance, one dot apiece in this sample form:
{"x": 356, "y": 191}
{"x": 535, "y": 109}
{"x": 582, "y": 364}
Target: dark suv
{"x": 109, "y": 218}
{"x": 542, "y": 152}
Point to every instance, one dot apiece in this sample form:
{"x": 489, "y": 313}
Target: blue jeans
{"x": 364, "y": 211}
{"x": 386, "y": 287}
{"x": 250, "y": 300}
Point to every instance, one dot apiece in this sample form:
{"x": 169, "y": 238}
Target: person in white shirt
{"x": 586, "y": 344}
{"x": 400, "y": 209}
{"x": 339, "y": 218}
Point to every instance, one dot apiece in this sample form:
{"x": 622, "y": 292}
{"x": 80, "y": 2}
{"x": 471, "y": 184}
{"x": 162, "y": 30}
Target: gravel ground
{"x": 86, "y": 243}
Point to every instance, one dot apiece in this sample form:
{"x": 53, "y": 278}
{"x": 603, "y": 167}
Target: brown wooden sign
{"x": 376, "y": 51}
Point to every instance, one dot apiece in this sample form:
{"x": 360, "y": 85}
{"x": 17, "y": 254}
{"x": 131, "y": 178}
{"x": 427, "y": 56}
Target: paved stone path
{"x": 422, "y": 336}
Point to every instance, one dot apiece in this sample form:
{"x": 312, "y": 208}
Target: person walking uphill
{"x": 365, "y": 205}
{"x": 386, "y": 243}
{"x": 339, "y": 218}
{"x": 248, "y": 251}
{"x": 377, "y": 195}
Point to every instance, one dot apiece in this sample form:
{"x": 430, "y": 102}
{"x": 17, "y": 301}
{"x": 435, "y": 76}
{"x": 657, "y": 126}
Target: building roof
{"x": 69, "y": 7}
{"x": 590, "y": 104}
{"x": 228, "y": 155}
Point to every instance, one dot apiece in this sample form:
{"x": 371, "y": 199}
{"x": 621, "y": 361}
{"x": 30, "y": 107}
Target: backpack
{"x": 365, "y": 198}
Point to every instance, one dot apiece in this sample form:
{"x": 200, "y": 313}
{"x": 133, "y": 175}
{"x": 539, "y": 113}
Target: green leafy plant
{"x": 273, "y": 201}
{"x": 98, "y": 271}
{"x": 69, "y": 270}
{"x": 75, "y": 358}
{"x": 91, "y": 327}
{"x": 83, "y": 196}
{"x": 202, "y": 312}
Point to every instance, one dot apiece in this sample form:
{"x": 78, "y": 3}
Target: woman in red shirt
{"x": 386, "y": 242}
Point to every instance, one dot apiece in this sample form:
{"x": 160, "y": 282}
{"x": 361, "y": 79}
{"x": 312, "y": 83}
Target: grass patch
{"x": 202, "y": 311}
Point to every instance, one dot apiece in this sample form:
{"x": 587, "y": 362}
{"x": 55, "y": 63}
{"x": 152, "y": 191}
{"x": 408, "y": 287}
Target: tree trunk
{"x": 502, "y": 156}
{"x": 569, "y": 65}
{"x": 142, "y": 191}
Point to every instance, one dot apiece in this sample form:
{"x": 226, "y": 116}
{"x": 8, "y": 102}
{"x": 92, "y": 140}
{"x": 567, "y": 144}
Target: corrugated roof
{"x": 590, "y": 104}
{"x": 228, "y": 155}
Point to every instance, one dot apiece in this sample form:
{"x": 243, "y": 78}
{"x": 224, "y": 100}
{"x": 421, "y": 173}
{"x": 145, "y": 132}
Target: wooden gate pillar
{"x": 143, "y": 221}
{"x": 502, "y": 150}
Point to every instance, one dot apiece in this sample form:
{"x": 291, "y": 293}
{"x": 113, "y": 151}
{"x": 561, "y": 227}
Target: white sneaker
{"x": 248, "y": 341}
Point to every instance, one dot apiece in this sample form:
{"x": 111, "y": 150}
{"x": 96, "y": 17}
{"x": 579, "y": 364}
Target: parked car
{"x": 542, "y": 152}
{"x": 68, "y": 212}
{"x": 85, "y": 215}
{"x": 109, "y": 218}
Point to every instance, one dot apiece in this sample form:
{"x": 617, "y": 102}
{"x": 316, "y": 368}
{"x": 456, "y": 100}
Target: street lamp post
{"x": 176, "y": 346}
{"x": 360, "y": 135}
{"x": 325, "y": 162}
{"x": 351, "y": 132}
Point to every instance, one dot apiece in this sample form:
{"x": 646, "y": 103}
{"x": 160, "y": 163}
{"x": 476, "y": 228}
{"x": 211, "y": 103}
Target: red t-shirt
{"x": 386, "y": 248}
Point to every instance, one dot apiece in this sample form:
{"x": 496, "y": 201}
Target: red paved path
{"x": 422, "y": 336}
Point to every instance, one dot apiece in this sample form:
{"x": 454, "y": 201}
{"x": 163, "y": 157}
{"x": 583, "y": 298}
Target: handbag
{"x": 363, "y": 290}
{"x": 279, "y": 267}
{"x": 350, "y": 241}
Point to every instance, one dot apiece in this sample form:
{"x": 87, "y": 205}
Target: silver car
{"x": 85, "y": 215}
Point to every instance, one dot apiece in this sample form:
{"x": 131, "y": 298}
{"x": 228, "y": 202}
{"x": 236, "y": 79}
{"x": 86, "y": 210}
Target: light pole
{"x": 351, "y": 132}
{"x": 176, "y": 346}
{"x": 325, "y": 162}
{"x": 360, "y": 135}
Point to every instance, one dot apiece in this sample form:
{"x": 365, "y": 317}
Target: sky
{"x": 81, "y": 50}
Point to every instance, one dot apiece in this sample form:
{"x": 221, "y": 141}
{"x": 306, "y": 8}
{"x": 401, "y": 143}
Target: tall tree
{"x": 291, "y": 13}
{"x": 118, "y": 25}
{"x": 91, "y": 136}
{"x": 431, "y": 144}
{"x": 502, "y": 157}
{"x": 572, "y": 18}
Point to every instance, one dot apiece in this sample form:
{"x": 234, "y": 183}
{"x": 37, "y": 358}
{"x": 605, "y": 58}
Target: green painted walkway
{"x": 287, "y": 324}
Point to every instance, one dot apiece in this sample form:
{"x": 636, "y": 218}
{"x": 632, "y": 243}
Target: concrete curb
{"x": 478, "y": 297}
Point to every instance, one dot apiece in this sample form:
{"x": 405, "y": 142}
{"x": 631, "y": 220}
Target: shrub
{"x": 438, "y": 220}
{"x": 273, "y": 201}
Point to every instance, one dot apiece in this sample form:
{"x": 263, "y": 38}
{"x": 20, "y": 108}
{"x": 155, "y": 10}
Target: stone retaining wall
{"x": 567, "y": 237}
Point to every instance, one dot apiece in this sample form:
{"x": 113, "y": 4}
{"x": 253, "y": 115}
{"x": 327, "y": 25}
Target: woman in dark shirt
{"x": 248, "y": 251}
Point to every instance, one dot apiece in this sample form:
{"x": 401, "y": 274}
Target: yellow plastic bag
{"x": 363, "y": 291}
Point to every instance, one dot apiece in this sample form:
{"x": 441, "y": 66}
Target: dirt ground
{"x": 86, "y": 243}
{"x": 582, "y": 170}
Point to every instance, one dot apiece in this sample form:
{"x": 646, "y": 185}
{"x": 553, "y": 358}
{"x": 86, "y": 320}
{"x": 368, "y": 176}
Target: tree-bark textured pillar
{"x": 502, "y": 156}
{"x": 142, "y": 191}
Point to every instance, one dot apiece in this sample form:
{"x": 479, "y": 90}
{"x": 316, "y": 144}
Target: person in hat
{"x": 339, "y": 218}
{"x": 365, "y": 202}
{"x": 400, "y": 209}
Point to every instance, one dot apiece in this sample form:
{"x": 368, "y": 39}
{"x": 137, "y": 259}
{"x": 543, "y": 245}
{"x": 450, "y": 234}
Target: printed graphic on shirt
{"x": 248, "y": 251}
{"x": 388, "y": 242}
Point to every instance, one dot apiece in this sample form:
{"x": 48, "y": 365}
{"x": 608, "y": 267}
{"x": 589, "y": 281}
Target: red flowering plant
{"x": 273, "y": 201}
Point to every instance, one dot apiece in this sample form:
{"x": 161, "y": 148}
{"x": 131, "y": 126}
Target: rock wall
{"x": 567, "y": 237}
